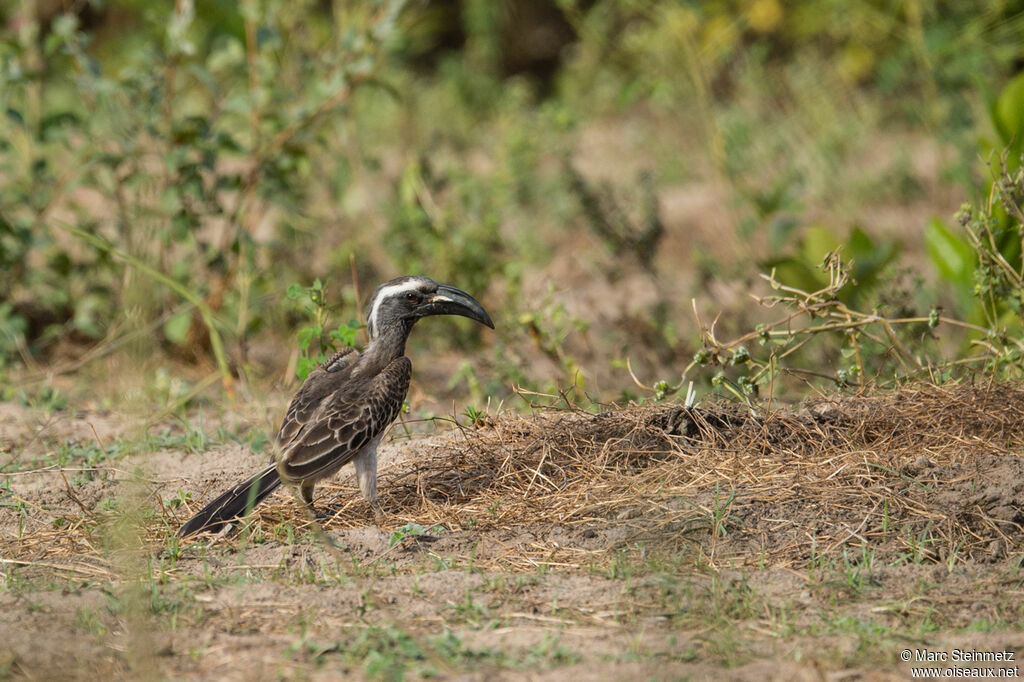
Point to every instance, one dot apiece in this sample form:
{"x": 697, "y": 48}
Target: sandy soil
{"x": 730, "y": 565}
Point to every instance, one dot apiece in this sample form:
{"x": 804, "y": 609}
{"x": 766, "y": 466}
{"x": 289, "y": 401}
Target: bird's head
{"x": 397, "y": 304}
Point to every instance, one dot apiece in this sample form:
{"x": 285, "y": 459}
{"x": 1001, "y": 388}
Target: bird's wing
{"x": 324, "y": 380}
{"x": 345, "y": 421}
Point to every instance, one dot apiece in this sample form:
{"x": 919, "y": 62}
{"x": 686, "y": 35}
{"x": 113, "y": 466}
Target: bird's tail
{"x": 233, "y": 503}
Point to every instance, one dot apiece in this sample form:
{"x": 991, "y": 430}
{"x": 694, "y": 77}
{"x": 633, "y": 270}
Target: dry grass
{"x": 926, "y": 472}
{"x": 838, "y": 472}
{"x": 923, "y": 474}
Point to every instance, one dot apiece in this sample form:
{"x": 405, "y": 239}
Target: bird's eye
{"x": 412, "y": 297}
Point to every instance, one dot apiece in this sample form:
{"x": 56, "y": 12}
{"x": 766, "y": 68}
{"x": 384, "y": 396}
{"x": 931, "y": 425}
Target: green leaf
{"x": 817, "y": 242}
{"x": 780, "y": 231}
{"x": 859, "y": 244}
{"x": 176, "y": 327}
{"x": 794, "y": 272}
{"x": 88, "y": 311}
{"x": 346, "y": 333}
{"x": 408, "y": 530}
{"x": 12, "y": 330}
{"x": 15, "y": 117}
{"x": 1008, "y": 118}
{"x": 303, "y": 367}
{"x": 306, "y": 335}
{"x": 869, "y": 257}
{"x": 951, "y": 254}
{"x": 64, "y": 25}
{"x": 52, "y": 126}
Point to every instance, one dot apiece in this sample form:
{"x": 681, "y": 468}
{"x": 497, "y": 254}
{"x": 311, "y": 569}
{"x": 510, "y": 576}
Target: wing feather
{"x": 322, "y": 382}
{"x": 345, "y": 421}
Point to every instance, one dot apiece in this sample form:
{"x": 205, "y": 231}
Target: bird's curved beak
{"x": 451, "y": 301}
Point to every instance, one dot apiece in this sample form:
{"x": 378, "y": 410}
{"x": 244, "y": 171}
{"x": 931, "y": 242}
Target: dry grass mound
{"x": 922, "y": 474}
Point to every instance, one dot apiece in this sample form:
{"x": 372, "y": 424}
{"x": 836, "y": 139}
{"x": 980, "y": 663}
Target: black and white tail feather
{"x": 344, "y": 407}
{"x": 234, "y": 503}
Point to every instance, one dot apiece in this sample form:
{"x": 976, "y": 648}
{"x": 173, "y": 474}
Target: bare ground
{"x": 811, "y": 542}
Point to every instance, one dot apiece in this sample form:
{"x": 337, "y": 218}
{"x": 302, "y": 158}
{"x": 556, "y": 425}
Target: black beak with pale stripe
{"x": 451, "y": 301}
{"x": 396, "y": 305}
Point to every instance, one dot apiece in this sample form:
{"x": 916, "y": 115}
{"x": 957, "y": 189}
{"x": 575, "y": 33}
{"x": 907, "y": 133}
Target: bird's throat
{"x": 386, "y": 345}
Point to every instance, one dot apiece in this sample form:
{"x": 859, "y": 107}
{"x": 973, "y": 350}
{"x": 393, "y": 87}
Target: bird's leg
{"x": 307, "y": 492}
{"x": 366, "y": 472}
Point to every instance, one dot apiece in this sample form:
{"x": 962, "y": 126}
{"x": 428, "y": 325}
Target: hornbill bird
{"x": 344, "y": 407}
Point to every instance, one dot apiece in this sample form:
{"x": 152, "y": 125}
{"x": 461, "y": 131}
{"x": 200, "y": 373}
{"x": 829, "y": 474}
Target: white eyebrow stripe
{"x": 388, "y": 292}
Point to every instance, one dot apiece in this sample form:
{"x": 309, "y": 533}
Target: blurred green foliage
{"x": 166, "y": 167}
{"x": 983, "y": 262}
{"x": 1006, "y": 112}
{"x": 803, "y": 268}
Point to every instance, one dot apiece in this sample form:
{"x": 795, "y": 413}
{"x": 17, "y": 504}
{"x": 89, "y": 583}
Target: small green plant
{"x": 451, "y": 649}
{"x": 661, "y": 390}
{"x": 110, "y": 504}
{"x": 858, "y": 574}
{"x": 413, "y": 530}
{"x": 180, "y": 498}
{"x": 954, "y": 556}
{"x": 859, "y": 346}
{"x": 985, "y": 266}
{"x": 188, "y": 437}
{"x": 621, "y": 566}
{"x": 46, "y": 397}
{"x": 548, "y": 327}
{"x": 550, "y": 652}
{"x": 18, "y": 506}
{"x": 88, "y": 622}
{"x": 469, "y": 609}
{"x": 316, "y": 342}
{"x": 494, "y": 508}
{"x": 475, "y": 416}
{"x": 918, "y": 546}
{"x": 384, "y": 653}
